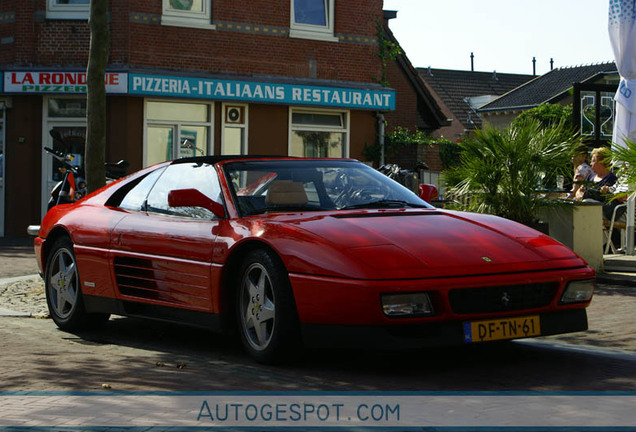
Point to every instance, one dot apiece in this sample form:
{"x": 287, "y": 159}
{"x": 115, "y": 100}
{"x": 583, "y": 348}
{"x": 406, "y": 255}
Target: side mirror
{"x": 194, "y": 198}
{"x": 428, "y": 192}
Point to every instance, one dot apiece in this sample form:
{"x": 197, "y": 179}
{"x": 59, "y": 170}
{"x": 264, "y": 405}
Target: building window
{"x": 187, "y": 13}
{"x": 319, "y": 133}
{"x": 67, "y": 9}
{"x": 312, "y": 19}
{"x": 234, "y": 139}
{"x": 174, "y": 130}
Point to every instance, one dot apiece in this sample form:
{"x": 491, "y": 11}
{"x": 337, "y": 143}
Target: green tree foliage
{"x": 547, "y": 115}
{"x": 500, "y": 170}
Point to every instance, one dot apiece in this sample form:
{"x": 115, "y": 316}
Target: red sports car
{"x": 292, "y": 251}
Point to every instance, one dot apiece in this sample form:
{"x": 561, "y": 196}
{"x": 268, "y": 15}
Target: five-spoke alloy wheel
{"x": 265, "y": 308}
{"x": 63, "y": 290}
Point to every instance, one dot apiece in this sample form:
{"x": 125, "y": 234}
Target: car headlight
{"x": 407, "y": 305}
{"x": 578, "y": 291}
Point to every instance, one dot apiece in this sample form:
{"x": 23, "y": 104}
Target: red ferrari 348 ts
{"x": 303, "y": 251}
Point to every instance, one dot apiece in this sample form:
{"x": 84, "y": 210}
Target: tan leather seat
{"x": 286, "y": 193}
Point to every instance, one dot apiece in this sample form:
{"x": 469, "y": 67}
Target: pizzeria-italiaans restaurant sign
{"x": 371, "y": 97}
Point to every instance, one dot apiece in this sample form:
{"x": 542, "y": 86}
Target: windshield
{"x": 313, "y": 185}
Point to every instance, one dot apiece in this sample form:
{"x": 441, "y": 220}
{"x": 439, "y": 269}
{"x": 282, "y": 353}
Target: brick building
{"x": 191, "y": 77}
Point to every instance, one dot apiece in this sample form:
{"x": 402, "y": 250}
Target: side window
{"x": 202, "y": 177}
{"x": 188, "y": 13}
{"x": 67, "y": 9}
{"x": 135, "y": 199}
{"x": 312, "y": 19}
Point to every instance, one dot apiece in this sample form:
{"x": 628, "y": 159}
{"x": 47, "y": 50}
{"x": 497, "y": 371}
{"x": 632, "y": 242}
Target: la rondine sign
{"x": 58, "y": 82}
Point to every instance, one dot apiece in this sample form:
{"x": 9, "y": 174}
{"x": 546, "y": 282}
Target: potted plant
{"x": 505, "y": 171}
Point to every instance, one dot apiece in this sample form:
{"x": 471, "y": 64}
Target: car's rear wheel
{"x": 268, "y": 322}
{"x": 63, "y": 289}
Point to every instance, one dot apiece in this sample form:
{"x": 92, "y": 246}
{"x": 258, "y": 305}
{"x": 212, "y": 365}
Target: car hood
{"x": 431, "y": 243}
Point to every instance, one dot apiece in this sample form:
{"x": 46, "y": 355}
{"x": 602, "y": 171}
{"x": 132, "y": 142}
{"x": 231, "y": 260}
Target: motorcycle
{"x": 72, "y": 187}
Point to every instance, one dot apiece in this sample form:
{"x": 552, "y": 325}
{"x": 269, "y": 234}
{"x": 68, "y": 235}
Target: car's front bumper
{"x": 415, "y": 336}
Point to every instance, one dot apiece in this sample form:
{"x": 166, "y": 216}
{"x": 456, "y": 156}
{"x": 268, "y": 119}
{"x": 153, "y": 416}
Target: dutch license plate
{"x": 504, "y": 328}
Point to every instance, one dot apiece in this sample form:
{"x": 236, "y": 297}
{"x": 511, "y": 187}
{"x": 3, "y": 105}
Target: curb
{"x": 13, "y": 314}
{"x": 624, "y": 279}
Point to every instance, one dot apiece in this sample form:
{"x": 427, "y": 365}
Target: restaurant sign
{"x": 59, "y": 82}
{"x": 201, "y": 88}
{"x": 250, "y": 91}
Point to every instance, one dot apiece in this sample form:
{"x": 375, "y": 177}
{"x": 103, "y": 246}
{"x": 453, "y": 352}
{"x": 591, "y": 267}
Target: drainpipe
{"x": 380, "y": 117}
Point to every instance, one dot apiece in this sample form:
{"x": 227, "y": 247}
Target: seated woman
{"x": 602, "y": 177}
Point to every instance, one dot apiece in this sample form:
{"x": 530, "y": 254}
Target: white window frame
{"x": 66, "y": 11}
{"x": 346, "y": 129}
{"x": 203, "y": 20}
{"x": 178, "y": 125}
{"x": 309, "y": 31}
{"x": 242, "y": 125}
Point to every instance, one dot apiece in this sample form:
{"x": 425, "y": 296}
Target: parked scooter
{"x": 72, "y": 187}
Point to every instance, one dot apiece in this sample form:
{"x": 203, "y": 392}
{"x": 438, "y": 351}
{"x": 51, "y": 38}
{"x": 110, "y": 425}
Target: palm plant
{"x": 624, "y": 159}
{"x": 500, "y": 170}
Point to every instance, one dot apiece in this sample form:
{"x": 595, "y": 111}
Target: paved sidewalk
{"x": 17, "y": 257}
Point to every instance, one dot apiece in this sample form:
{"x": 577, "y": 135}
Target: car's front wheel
{"x": 63, "y": 291}
{"x": 266, "y": 309}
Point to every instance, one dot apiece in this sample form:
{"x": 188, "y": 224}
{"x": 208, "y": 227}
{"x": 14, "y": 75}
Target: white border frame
{"x": 244, "y": 125}
{"x": 308, "y": 31}
{"x": 203, "y": 20}
{"x": 346, "y": 127}
{"x": 177, "y": 125}
{"x": 69, "y": 11}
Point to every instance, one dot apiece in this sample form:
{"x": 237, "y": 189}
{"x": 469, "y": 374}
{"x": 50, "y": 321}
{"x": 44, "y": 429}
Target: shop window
{"x": 67, "y": 9}
{"x": 176, "y": 130}
{"x": 319, "y": 134}
{"x": 312, "y": 19}
{"x": 187, "y": 13}
{"x": 234, "y": 130}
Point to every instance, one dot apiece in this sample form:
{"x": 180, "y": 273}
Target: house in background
{"x": 461, "y": 93}
{"x": 589, "y": 89}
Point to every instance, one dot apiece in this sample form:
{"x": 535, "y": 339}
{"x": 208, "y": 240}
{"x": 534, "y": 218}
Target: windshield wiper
{"x": 384, "y": 203}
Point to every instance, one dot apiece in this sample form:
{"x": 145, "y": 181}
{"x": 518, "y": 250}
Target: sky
{"x": 504, "y": 35}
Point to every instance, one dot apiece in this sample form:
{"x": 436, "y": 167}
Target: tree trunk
{"x": 96, "y": 96}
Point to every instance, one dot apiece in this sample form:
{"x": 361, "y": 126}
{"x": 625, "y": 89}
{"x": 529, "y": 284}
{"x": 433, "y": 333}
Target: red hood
{"x": 430, "y": 243}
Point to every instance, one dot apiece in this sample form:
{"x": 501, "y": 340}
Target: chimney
{"x": 551, "y": 63}
{"x": 472, "y": 62}
{"x": 494, "y": 76}
{"x": 534, "y": 66}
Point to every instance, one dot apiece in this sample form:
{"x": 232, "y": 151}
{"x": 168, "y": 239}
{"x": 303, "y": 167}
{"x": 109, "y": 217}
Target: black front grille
{"x": 502, "y": 298}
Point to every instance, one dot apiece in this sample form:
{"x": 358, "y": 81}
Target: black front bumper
{"x": 423, "y": 335}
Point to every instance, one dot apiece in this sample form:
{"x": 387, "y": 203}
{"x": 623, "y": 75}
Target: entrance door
{"x": 2, "y": 171}
{"x": 74, "y": 137}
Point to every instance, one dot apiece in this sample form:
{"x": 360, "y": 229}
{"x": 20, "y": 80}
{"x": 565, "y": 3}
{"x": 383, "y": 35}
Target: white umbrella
{"x": 622, "y": 32}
